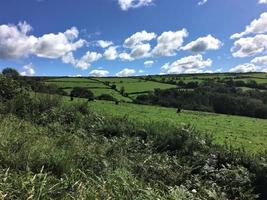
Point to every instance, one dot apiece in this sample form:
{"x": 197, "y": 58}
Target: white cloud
{"x": 148, "y": 63}
{"x": 125, "y": 57}
{"x": 139, "y": 38}
{"x": 262, "y": 1}
{"x": 169, "y": 42}
{"x": 244, "y": 68}
{"x": 57, "y": 45}
{"x": 99, "y": 73}
{"x": 16, "y": 43}
{"x": 127, "y": 4}
{"x": 69, "y": 58}
{"x": 138, "y": 46}
{"x": 111, "y": 53}
{"x": 85, "y": 61}
{"x": 104, "y": 44}
{"x": 257, "y": 26}
{"x": 203, "y": 44}
{"x": 28, "y": 70}
{"x": 249, "y": 46}
{"x": 190, "y": 64}
{"x": 126, "y": 72}
{"x": 140, "y": 51}
{"x": 260, "y": 61}
{"x": 202, "y": 2}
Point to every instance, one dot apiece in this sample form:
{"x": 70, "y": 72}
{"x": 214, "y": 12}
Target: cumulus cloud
{"x": 200, "y": 3}
{"x": 257, "y": 26}
{"x": 203, "y": 44}
{"x": 126, "y": 72}
{"x": 15, "y": 42}
{"x": 140, "y": 51}
{"x": 125, "y": 57}
{"x": 169, "y": 42}
{"x": 99, "y": 73}
{"x": 260, "y": 61}
{"x": 148, "y": 63}
{"x": 85, "y": 61}
{"x": 28, "y": 70}
{"x": 69, "y": 59}
{"x": 190, "y": 64}
{"x": 244, "y": 68}
{"x": 111, "y": 53}
{"x": 127, "y": 4}
{"x": 139, "y": 38}
{"x": 138, "y": 46}
{"x": 262, "y": 1}
{"x": 57, "y": 45}
{"x": 104, "y": 43}
{"x": 249, "y": 46}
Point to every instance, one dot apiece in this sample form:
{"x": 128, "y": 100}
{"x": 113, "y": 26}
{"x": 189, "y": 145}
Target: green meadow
{"x": 237, "y": 131}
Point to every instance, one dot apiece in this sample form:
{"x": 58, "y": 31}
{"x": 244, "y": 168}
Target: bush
{"x": 11, "y": 73}
{"x": 106, "y": 97}
{"x": 82, "y": 93}
{"x": 9, "y": 88}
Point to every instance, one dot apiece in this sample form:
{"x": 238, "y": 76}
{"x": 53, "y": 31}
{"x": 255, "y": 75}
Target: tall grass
{"x": 69, "y": 152}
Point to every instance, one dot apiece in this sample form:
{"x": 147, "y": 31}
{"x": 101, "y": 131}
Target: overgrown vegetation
{"x": 52, "y": 150}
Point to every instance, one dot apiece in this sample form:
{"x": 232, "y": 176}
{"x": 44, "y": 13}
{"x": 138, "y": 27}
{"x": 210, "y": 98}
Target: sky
{"x": 132, "y": 37}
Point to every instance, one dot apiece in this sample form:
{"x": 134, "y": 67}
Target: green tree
{"x": 82, "y": 93}
{"x": 9, "y": 88}
{"x": 10, "y": 72}
{"x": 122, "y": 90}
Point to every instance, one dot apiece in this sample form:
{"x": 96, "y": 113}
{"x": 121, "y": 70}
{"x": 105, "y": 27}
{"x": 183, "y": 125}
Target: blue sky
{"x": 132, "y": 37}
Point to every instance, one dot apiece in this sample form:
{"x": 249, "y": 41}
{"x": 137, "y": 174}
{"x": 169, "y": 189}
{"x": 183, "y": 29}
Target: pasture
{"x": 237, "y": 131}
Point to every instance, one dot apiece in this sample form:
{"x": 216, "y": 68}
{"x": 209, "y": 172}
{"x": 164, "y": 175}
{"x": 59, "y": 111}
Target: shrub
{"x": 82, "y": 93}
{"x": 10, "y": 72}
{"x": 106, "y": 97}
{"x": 9, "y": 88}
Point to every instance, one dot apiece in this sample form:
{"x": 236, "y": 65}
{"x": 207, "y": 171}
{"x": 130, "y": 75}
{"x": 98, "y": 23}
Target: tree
{"x": 106, "y": 97}
{"x": 82, "y": 93}
{"x": 9, "y": 88}
{"x": 10, "y": 72}
{"x": 122, "y": 90}
{"x": 113, "y": 87}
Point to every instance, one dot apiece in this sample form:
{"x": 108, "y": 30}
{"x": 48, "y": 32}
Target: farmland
{"x": 258, "y": 77}
{"x": 237, "y": 131}
{"x": 57, "y": 144}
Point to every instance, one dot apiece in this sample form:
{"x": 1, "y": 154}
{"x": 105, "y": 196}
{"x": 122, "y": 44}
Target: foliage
{"x": 9, "y": 88}
{"x": 211, "y": 97}
{"x": 10, "y": 72}
{"x": 82, "y": 93}
{"x": 106, "y": 97}
{"x": 113, "y": 160}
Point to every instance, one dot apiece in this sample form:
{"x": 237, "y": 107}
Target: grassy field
{"x": 95, "y": 86}
{"x": 133, "y": 86}
{"x": 250, "y": 133}
{"x": 136, "y": 85}
{"x": 258, "y": 77}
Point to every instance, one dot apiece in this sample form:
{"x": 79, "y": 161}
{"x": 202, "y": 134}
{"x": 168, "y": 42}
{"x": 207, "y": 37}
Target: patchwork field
{"x": 260, "y": 78}
{"x": 238, "y": 131}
